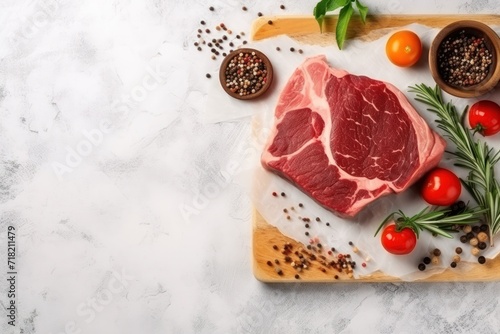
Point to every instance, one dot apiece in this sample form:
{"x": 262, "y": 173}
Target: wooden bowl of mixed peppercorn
{"x": 464, "y": 58}
{"x": 246, "y": 74}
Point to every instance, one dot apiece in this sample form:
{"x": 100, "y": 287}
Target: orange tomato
{"x": 404, "y": 48}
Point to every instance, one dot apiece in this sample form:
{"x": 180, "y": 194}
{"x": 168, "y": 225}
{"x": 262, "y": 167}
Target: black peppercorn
{"x": 427, "y": 260}
{"x": 421, "y": 267}
{"x": 481, "y": 259}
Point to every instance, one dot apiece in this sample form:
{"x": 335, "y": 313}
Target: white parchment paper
{"x": 360, "y": 58}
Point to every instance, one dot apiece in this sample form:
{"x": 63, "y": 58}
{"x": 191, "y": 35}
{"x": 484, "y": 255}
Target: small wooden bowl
{"x": 492, "y": 42}
{"x": 263, "y": 88}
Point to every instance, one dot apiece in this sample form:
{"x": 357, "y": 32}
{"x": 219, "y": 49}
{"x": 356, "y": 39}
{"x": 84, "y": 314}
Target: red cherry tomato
{"x": 484, "y": 117}
{"x": 398, "y": 242}
{"x": 441, "y": 187}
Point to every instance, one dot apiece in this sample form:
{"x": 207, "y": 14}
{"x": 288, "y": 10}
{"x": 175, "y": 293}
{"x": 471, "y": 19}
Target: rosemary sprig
{"x": 470, "y": 154}
{"x": 439, "y": 222}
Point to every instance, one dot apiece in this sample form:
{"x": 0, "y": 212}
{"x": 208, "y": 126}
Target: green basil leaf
{"x": 320, "y": 12}
{"x": 363, "y": 10}
{"x": 342, "y": 23}
{"x": 334, "y": 4}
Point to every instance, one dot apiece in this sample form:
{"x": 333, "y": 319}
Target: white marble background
{"x": 127, "y": 220}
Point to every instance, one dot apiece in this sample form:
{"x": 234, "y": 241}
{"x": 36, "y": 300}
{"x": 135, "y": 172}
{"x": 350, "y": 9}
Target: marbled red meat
{"x": 346, "y": 140}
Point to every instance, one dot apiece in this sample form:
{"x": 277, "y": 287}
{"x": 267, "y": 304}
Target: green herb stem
{"x": 473, "y": 155}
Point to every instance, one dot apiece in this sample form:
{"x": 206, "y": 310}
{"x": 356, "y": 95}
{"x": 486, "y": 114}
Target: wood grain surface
{"x": 305, "y": 29}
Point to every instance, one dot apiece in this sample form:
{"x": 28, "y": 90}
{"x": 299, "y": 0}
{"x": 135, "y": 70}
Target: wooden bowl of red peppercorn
{"x": 464, "y": 59}
{"x": 246, "y": 74}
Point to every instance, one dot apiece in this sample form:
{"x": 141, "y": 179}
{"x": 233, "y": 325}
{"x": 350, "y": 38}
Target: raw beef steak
{"x": 346, "y": 140}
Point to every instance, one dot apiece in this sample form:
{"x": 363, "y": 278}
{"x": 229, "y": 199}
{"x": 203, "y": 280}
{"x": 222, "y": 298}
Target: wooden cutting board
{"x": 269, "y": 264}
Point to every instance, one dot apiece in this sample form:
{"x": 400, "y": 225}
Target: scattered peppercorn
{"x": 275, "y": 194}
{"x": 199, "y": 48}
{"x": 453, "y": 264}
{"x": 202, "y": 22}
{"x": 207, "y": 31}
{"x": 270, "y": 22}
{"x": 427, "y": 260}
{"x": 307, "y": 233}
{"x": 483, "y": 228}
{"x": 476, "y": 229}
{"x": 421, "y": 267}
{"x": 269, "y": 263}
{"x": 481, "y": 259}
{"x": 292, "y": 49}
{"x": 481, "y": 245}
{"x": 463, "y": 239}
{"x": 307, "y": 225}
{"x": 458, "y": 250}
{"x": 475, "y": 251}
{"x": 275, "y": 247}
{"x": 473, "y": 241}
{"x": 211, "y": 8}
{"x": 482, "y": 236}
{"x": 282, "y": 6}
{"x": 300, "y": 51}
{"x": 318, "y": 219}
{"x": 208, "y": 75}
{"x": 436, "y": 252}
{"x": 259, "y": 14}
{"x": 351, "y": 243}
{"x": 301, "y": 205}
{"x": 327, "y": 224}
{"x": 297, "y": 276}
{"x": 244, "y": 8}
